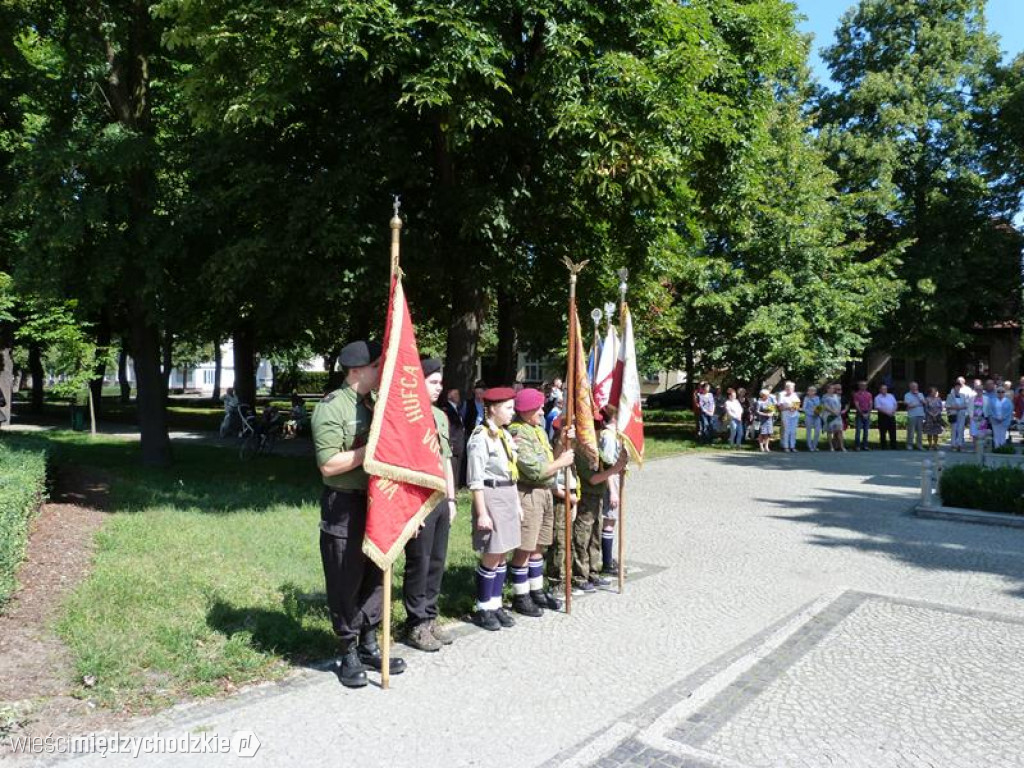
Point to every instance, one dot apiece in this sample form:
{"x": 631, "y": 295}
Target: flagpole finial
{"x": 574, "y": 269}
{"x": 396, "y": 229}
{"x": 396, "y": 220}
{"x": 623, "y": 277}
{"x": 596, "y": 315}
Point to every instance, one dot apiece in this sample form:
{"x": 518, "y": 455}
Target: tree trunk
{"x": 245, "y": 364}
{"x": 168, "y": 354}
{"x": 508, "y": 337}
{"x": 691, "y": 371}
{"x": 96, "y": 383}
{"x": 464, "y": 335}
{"x": 6, "y": 384}
{"x": 151, "y": 392}
{"x": 334, "y": 375}
{"x": 122, "y": 373}
{"x": 35, "y": 367}
{"x": 218, "y": 365}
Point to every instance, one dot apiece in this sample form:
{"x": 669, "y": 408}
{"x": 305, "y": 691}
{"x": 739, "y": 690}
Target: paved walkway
{"x": 786, "y": 610}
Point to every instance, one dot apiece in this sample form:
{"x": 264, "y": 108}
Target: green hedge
{"x": 993, "y": 489}
{"x": 22, "y": 484}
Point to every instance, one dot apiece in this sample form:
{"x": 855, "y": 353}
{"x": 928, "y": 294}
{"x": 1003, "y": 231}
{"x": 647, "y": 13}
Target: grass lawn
{"x": 207, "y": 575}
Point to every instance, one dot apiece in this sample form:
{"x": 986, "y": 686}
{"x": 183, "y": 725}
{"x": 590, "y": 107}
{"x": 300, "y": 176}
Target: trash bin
{"x": 79, "y": 417}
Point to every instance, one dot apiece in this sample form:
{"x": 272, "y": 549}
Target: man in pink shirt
{"x": 862, "y": 403}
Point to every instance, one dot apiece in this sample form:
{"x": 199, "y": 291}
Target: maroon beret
{"x": 529, "y": 400}
{"x": 499, "y": 394}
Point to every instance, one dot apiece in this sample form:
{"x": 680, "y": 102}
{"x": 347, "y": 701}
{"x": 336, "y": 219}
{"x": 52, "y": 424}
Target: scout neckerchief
{"x": 510, "y": 451}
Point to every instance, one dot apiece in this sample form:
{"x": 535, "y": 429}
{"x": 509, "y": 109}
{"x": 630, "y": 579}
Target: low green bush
{"x": 1007, "y": 449}
{"x": 993, "y": 489}
{"x": 303, "y": 382}
{"x": 22, "y": 484}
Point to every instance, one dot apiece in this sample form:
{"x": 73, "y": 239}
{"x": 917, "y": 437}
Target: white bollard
{"x": 926, "y": 483}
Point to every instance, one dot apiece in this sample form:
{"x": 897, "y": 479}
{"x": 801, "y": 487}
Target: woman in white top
{"x": 957, "y": 403}
{"x": 999, "y": 413}
{"x": 734, "y": 409}
{"x": 812, "y": 418}
{"x": 789, "y": 404}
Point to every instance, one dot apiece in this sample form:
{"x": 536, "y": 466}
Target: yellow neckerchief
{"x": 510, "y": 451}
{"x": 542, "y": 438}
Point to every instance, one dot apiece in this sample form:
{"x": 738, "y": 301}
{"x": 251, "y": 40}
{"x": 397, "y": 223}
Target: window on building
{"x": 978, "y": 362}
{"x": 208, "y": 376}
{"x": 533, "y": 369}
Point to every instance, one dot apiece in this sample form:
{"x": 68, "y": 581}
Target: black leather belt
{"x": 498, "y": 483}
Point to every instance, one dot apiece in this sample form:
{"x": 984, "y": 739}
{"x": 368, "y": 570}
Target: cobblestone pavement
{"x": 787, "y": 610}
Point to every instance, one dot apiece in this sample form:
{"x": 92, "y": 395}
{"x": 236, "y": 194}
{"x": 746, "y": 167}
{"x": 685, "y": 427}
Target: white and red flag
{"x": 630, "y": 419}
{"x": 604, "y": 373}
{"x": 403, "y": 455}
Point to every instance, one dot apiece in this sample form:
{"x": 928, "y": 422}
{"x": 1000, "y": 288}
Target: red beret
{"x": 529, "y": 400}
{"x": 499, "y": 394}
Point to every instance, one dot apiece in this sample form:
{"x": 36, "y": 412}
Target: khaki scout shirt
{"x": 441, "y": 422}
{"x": 533, "y": 450}
{"x": 341, "y": 422}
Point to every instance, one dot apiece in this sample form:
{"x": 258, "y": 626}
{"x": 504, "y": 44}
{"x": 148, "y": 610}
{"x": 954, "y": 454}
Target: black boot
{"x": 350, "y": 670}
{"x": 371, "y": 656}
{"x": 524, "y": 605}
{"x": 486, "y": 620}
{"x": 545, "y": 600}
{"x": 504, "y": 618}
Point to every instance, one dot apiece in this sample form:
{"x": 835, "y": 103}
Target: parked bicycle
{"x": 258, "y": 434}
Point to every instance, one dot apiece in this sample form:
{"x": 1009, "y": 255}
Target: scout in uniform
{"x": 341, "y": 425}
{"x": 556, "y": 552}
{"x": 537, "y": 469}
{"x": 610, "y": 446}
{"x": 491, "y": 475}
{"x": 425, "y": 553}
{"x": 586, "y": 535}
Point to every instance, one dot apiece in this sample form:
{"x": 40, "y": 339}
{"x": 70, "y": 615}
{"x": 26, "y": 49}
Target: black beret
{"x": 430, "y": 365}
{"x": 359, "y": 353}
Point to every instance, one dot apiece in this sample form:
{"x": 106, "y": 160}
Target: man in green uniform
{"x": 586, "y": 549}
{"x": 341, "y": 426}
{"x": 426, "y": 553}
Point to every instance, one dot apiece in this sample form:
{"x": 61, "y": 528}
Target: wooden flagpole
{"x": 623, "y": 275}
{"x": 568, "y": 419}
{"x": 385, "y": 662}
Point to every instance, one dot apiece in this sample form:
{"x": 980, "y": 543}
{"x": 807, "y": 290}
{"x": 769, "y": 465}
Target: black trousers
{"x": 886, "y": 430}
{"x": 424, "y": 566}
{"x": 355, "y": 585}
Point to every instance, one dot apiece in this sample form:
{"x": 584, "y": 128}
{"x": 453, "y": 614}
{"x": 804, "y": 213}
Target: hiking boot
{"x": 545, "y": 600}
{"x": 422, "y": 639}
{"x": 350, "y": 670}
{"x": 486, "y": 620}
{"x": 504, "y": 618}
{"x": 440, "y": 633}
{"x": 598, "y": 580}
{"x": 612, "y": 569}
{"x": 524, "y": 605}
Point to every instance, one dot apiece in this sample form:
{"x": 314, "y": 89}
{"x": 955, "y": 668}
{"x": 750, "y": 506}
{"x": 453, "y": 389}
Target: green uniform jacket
{"x": 534, "y": 449}
{"x": 441, "y": 421}
{"x": 341, "y": 422}
{"x": 585, "y": 472}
